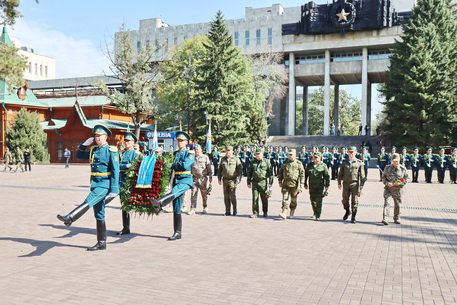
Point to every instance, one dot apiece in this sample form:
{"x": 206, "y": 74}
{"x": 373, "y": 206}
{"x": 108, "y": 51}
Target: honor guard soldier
{"x": 393, "y": 151}
{"x": 260, "y": 179}
{"x": 104, "y": 161}
{"x": 365, "y": 157}
{"x": 452, "y": 163}
{"x": 319, "y": 180}
{"x": 352, "y": 176}
{"x": 182, "y": 182}
{"x": 394, "y": 177}
{"x": 215, "y": 159}
{"x": 303, "y": 157}
{"x": 291, "y": 178}
{"x": 229, "y": 176}
{"x": 248, "y": 157}
{"x": 429, "y": 161}
{"x": 127, "y": 157}
{"x": 276, "y": 161}
{"x": 405, "y": 158}
{"x": 383, "y": 160}
{"x": 282, "y": 156}
{"x": 326, "y": 157}
{"x": 416, "y": 161}
{"x": 273, "y": 157}
{"x": 344, "y": 154}
{"x": 335, "y": 162}
{"x": 201, "y": 173}
{"x": 441, "y": 162}
{"x": 315, "y": 150}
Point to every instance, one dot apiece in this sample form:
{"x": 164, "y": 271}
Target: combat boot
{"x": 125, "y": 223}
{"x": 283, "y": 214}
{"x": 163, "y": 201}
{"x": 346, "y": 215}
{"x": 101, "y": 237}
{"x": 74, "y": 215}
{"x": 177, "y": 225}
{"x": 191, "y": 212}
{"x": 292, "y": 212}
{"x": 353, "y": 216}
{"x": 205, "y": 210}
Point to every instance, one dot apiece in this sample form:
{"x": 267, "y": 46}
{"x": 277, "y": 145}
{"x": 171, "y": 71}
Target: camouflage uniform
{"x": 319, "y": 179}
{"x": 260, "y": 176}
{"x": 201, "y": 172}
{"x": 390, "y": 175}
{"x": 230, "y": 170}
{"x": 291, "y": 176}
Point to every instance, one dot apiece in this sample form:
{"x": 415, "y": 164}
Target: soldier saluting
{"x": 104, "y": 161}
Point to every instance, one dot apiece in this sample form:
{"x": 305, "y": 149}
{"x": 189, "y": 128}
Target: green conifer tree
{"x": 421, "y": 90}
{"x": 26, "y": 132}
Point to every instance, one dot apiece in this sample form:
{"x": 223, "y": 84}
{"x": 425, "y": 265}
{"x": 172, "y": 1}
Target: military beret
{"x": 181, "y": 135}
{"x": 259, "y": 151}
{"x": 352, "y": 148}
{"x": 292, "y": 152}
{"x": 395, "y": 157}
{"x": 318, "y": 154}
{"x": 100, "y": 130}
{"x": 130, "y": 136}
{"x": 229, "y": 147}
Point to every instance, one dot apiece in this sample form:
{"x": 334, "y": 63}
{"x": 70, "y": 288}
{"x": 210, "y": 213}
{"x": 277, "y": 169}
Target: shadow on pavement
{"x": 42, "y": 246}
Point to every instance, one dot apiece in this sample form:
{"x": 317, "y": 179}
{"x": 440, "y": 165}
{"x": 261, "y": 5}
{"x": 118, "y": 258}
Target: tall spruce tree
{"x": 421, "y": 100}
{"x": 224, "y": 89}
{"x": 26, "y": 132}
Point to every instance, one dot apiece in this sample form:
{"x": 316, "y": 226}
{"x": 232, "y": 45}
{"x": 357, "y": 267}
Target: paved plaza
{"x": 225, "y": 259}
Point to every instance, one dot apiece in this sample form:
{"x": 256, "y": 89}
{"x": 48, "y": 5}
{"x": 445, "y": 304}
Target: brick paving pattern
{"x": 225, "y": 259}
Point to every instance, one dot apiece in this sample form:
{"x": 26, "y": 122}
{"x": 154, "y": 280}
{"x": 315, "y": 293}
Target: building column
{"x": 365, "y": 85}
{"x": 369, "y": 107}
{"x": 327, "y": 94}
{"x": 290, "y": 130}
{"x": 336, "y": 109}
{"x": 305, "y": 110}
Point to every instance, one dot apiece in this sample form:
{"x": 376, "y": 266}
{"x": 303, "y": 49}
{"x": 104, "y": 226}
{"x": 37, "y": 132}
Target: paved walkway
{"x": 225, "y": 260}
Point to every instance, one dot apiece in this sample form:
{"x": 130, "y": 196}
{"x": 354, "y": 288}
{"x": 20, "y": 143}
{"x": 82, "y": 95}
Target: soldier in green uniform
{"x": 441, "y": 162}
{"x": 215, "y": 159}
{"x": 201, "y": 173}
{"x": 8, "y": 159}
{"x": 260, "y": 179}
{"x": 429, "y": 160}
{"x": 352, "y": 174}
{"x": 416, "y": 161}
{"x": 335, "y": 162}
{"x": 229, "y": 176}
{"x": 291, "y": 178}
{"x": 127, "y": 156}
{"x": 104, "y": 161}
{"x": 19, "y": 159}
{"x": 319, "y": 180}
{"x": 452, "y": 164}
{"x": 394, "y": 177}
{"x": 182, "y": 182}
{"x": 383, "y": 160}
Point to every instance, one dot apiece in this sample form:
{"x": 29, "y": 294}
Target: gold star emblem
{"x": 342, "y": 15}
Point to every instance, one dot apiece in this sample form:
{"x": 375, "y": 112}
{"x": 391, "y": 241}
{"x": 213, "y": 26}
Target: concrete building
{"x": 352, "y": 47}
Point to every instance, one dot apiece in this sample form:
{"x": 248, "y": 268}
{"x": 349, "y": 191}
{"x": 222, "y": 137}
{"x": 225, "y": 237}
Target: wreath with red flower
{"x": 138, "y": 200}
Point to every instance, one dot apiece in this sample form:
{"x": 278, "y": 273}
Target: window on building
{"x": 237, "y": 39}
{"x": 270, "y": 36}
{"x": 247, "y": 38}
{"x": 30, "y": 67}
{"x": 46, "y": 71}
{"x": 138, "y": 46}
{"x": 36, "y": 69}
{"x": 257, "y": 37}
{"x": 176, "y": 40}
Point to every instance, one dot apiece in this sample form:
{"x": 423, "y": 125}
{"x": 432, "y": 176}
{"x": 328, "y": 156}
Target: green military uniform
{"x": 291, "y": 177}
{"x": 215, "y": 158}
{"x": 416, "y": 161}
{"x": 201, "y": 173}
{"x": 452, "y": 164}
{"x": 318, "y": 178}
{"x": 8, "y": 159}
{"x": 352, "y": 177}
{"x": 441, "y": 162}
{"x": 230, "y": 171}
{"x": 393, "y": 175}
{"x": 429, "y": 160}
{"x": 260, "y": 177}
{"x": 19, "y": 159}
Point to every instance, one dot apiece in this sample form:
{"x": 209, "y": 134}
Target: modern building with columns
{"x": 338, "y": 43}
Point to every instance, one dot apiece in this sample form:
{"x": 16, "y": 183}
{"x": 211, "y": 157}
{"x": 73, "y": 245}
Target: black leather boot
{"x": 177, "y": 225}
{"x": 346, "y": 215}
{"x": 353, "y": 216}
{"x": 125, "y": 224}
{"x": 163, "y": 201}
{"x": 74, "y": 215}
{"x": 101, "y": 237}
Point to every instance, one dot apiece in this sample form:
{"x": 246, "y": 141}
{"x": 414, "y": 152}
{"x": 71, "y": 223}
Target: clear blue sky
{"x": 77, "y": 32}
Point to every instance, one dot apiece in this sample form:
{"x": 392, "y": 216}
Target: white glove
{"x": 110, "y": 195}
{"x": 128, "y": 165}
{"x": 89, "y": 141}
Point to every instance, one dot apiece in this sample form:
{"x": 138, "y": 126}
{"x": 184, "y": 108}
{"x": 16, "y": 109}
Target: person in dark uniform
{"x": 344, "y": 154}
{"x": 247, "y": 157}
{"x": 393, "y": 151}
{"x": 182, "y": 182}
{"x": 416, "y": 161}
{"x": 303, "y": 157}
{"x": 282, "y": 156}
{"x": 429, "y": 160}
{"x": 127, "y": 157}
{"x": 104, "y": 161}
{"x": 335, "y": 162}
{"x": 276, "y": 161}
{"x": 215, "y": 158}
{"x": 440, "y": 162}
{"x": 405, "y": 158}
{"x": 27, "y": 159}
{"x": 365, "y": 157}
{"x": 383, "y": 160}
{"x": 326, "y": 157}
{"x": 452, "y": 164}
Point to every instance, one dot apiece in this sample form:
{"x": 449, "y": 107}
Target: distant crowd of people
{"x": 22, "y": 160}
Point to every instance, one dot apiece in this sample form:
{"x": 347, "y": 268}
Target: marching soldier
{"x": 452, "y": 163}
{"x": 260, "y": 179}
{"x": 127, "y": 157}
{"x": 326, "y": 157}
{"x": 344, "y": 154}
{"x": 215, "y": 158}
{"x": 182, "y": 182}
{"x": 290, "y": 179}
{"x": 416, "y": 161}
{"x": 276, "y": 161}
{"x": 19, "y": 159}
{"x": 383, "y": 160}
{"x": 8, "y": 159}
{"x": 229, "y": 176}
{"x": 273, "y": 157}
{"x": 394, "y": 177}
{"x": 365, "y": 157}
{"x": 201, "y": 173}
{"x": 429, "y": 160}
{"x": 335, "y": 162}
{"x": 319, "y": 181}
{"x": 282, "y": 156}
{"x": 248, "y": 157}
{"x": 104, "y": 161}
{"x": 303, "y": 156}
{"x": 352, "y": 174}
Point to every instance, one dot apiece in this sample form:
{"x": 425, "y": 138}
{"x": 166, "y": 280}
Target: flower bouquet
{"x": 209, "y": 189}
{"x": 324, "y": 194}
{"x": 359, "y": 193}
{"x": 268, "y": 194}
{"x": 400, "y": 181}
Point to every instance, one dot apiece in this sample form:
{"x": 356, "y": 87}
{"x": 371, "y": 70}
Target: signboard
{"x": 161, "y": 134}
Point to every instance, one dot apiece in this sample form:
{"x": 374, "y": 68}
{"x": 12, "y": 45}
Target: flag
{"x": 155, "y": 142}
{"x": 208, "y": 140}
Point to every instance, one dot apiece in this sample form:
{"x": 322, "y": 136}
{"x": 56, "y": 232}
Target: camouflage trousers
{"x": 315, "y": 196}
{"x": 395, "y": 193}
{"x": 259, "y": 189}
{"x": 350, "y": 190}
{"x": 289, "y": 193}
{"x": 199, "y": 184}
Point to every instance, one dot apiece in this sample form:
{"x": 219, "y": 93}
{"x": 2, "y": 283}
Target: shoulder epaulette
{"x": 191, "y": 151}
{"x": 113, "y": 148}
